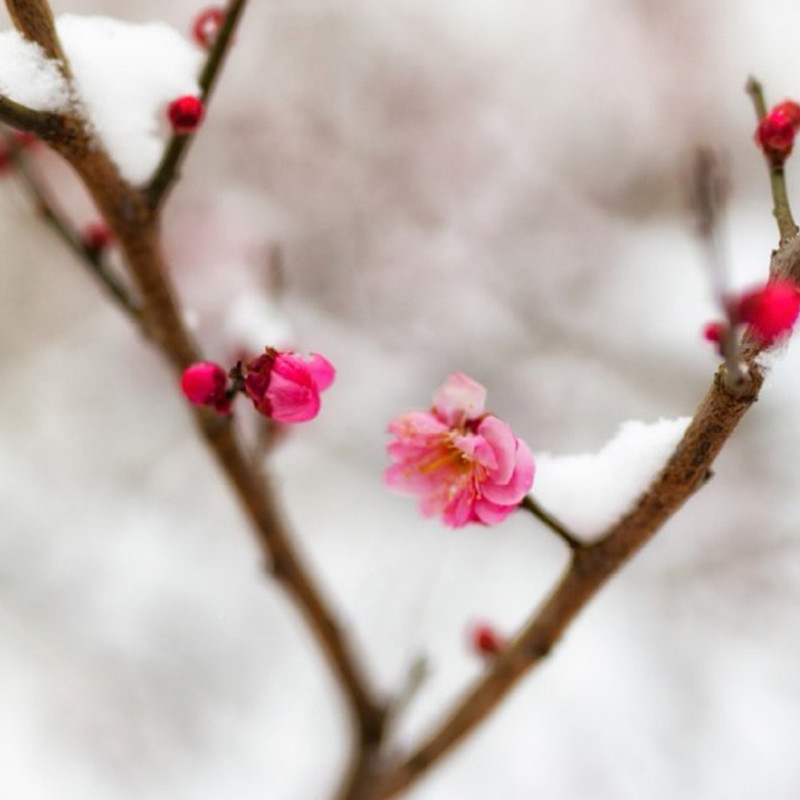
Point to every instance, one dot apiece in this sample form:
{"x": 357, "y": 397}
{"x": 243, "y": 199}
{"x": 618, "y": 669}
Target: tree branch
{"x": 44, "y": 124}
{"x": 136, "y": 225}
{"x": 51, "y": 214}
{"x": 34, "y": 19}
{"x": 591, "y": 567}
{"x": 558, "y": 528}
{"x": 168, "y": 170}
{"x": 781, "y": 209}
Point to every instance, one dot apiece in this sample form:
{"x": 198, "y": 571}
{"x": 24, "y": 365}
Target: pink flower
{"x": 464, "y": 464}
{"x": 206, "y": 384}
{"x": 770, "y": 310}
{"x": 285, "y": 387}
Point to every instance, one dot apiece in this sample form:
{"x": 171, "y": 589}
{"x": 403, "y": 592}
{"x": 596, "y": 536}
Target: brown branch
{"x": 134, "y": 219}
{"x": 168, "y": 169}
{"x": 591, "y": 567}
{"x": 781, "y": 209}
{"x": 34, "y": 19}
{"x": 136, "y": 225}
{"x": 709, "y": 189}
{"x": 558, "y": 528}
{"x": 44, "y": 124}
{"x": 58, "y": 222}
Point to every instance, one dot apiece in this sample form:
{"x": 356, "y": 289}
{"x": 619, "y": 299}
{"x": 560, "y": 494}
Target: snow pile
{"x": 126, "y": 74}
{"x": 28, "y": 76}
{"x": 591, "y": 491}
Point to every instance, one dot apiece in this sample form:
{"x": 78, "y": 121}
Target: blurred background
{"x": 494, "y": 187}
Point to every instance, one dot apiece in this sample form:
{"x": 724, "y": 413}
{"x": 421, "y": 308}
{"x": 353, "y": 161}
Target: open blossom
{"x": 462, "y": 463}
{"x": 285, "y": 387}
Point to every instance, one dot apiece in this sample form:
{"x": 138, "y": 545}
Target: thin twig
{"x": 52, "y": 215}
{"x": 44, "y": 124}
{"x": 558, "y": 528}
{"x": 782, "y": 211}
{"x": 709, "y": 189}
{"x": 168, "y": 169}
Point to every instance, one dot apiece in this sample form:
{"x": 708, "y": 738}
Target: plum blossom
{"x": 461, "y": 462}
{"x": 285, "y": 387}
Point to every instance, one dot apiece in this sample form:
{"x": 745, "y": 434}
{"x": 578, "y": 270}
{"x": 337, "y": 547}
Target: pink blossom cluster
{"x": 281, "y": 385}
{"x": 461, "y": 462}
{"x": 770, "y": 312}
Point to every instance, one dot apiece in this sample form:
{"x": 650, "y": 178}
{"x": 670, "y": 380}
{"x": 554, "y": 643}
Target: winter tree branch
{"x": 781, "y": 209}
{"x": 592, "y": 566}
{"x": 132, "y": 215}
{"x": 168, "y": 170}
{"x": 51, "y": 214}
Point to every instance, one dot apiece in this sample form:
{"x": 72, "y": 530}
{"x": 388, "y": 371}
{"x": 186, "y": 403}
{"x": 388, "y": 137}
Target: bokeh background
{"x": 496, "y": 187}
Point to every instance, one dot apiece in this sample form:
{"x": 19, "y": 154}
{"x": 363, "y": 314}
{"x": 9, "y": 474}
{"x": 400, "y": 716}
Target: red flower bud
{"x": 285, "y": 387}
{"x": 485, "y": 640}
{"x": 791, "y": 110}
{"x": 714, "y": 331}
{"x": 205, "y": 384}
{"x": 775, "y": 135}
{"x": 185, "y": 114}
{"x": 206, "y": 26}
{"x": 770, "y": 310}
{"x": 97, "y": 236}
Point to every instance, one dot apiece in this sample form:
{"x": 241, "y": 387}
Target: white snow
{"x": 126, "y": 74}
{"x": 590, "y": 491}
{"x": 28, "y": 76}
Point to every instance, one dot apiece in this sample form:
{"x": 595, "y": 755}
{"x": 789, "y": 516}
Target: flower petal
{"x": 458, "y": 511}
{"x": 322, "y": 371}
{"x": 504, "y": 445}
{"x": 518, "y": 485}
{"x": 460, "y": 398}
{"x": 292, "y": 394}
{"x": 491, "y": 513}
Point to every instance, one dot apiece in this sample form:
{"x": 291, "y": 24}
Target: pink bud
{"x": 285, "y": 387}
{"x": 97, "y": 236}
{"x": 185, "y": 114}
{"x": 484, "y": 639}
{"x": 205, "y": 384}
{"x": 206, "y": 26}
{"x": 770, "y": 310}
{"x": 775, "y": 135}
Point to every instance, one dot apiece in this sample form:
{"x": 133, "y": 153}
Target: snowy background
{"x": 495, "y": 187}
